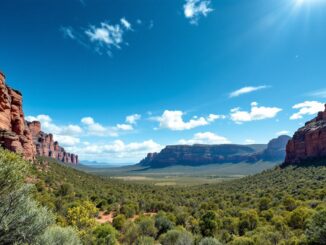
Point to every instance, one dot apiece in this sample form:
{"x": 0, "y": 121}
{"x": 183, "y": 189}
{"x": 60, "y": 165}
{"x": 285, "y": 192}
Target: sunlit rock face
{"x": 308, "y": 144}
{"x": 46, "y": 146}
{"x": 14, "y": 133}
{"x": 24, "y": 137}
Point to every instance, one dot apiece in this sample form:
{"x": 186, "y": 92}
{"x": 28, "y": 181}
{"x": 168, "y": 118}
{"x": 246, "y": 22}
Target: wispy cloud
{"x": 246, "y": 90}
{"x": 194, "y": 9}
{"x": 318, "y": 94}
{"x": 102, "y": 38}
{"x": 307, "y": 108}
{"x": 256, "y": 113}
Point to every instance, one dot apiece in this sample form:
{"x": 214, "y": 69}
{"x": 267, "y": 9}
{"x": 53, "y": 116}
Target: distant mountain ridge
{"x": 196, "y": 155}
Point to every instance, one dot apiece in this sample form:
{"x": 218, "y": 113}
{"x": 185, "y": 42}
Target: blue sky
{"x": 184, "y": 71}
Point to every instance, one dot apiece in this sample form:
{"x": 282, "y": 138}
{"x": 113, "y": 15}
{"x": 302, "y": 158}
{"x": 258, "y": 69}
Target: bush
{"x": 177, "y": 237}
{"x": 119, "y": 221}
{"x": 105, "y": 234}
{"x": 209, "y": 241}
{"x": 145, "y": 240}
{"x": 208, "y": 224}
{"x": 21, "y": 218}
{"x": 316, "y": 231}
{"x": 56, "y": 235}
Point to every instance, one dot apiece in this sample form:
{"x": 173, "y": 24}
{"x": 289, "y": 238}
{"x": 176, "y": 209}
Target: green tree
{"x": 209, "y": 241}
{"x": 162, "y": 223}
{"x": 145, "y": 240}
{"x": 208, "y": 224}
{"x": 316, "y": 231}
{"x": 177, "y": 237}
{"x": 105, "y": 234}
{"x": 146, "y": 226}
{"x": 299, "y": 217}
{"x": 119, "y": 221}
{"x": 82, "y": 217}
{"x": 248, "y": 221}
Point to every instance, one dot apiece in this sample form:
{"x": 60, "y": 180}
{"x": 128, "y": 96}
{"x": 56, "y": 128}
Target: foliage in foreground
{"x": 279, "y": 206}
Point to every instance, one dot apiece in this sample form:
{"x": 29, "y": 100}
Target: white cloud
{"x": 126, "y": 23}
{"x": 66, "y": 140}
{"x": 49, "y": 127}
{"x": 102, "y": 37}
{"x": 125, "y": 127}
{"x": 96, "y": 129}
{"x": 283, "y": 132}
{"x": 205, "y": 138}
{"x": 246, "y": 90}
{"x": 213, "y": 117}
{"x": 256, "y": 113}
{"x": 117, "y": 151}
{"x": 87, "y": 120}
{"x": 106, "y": 34}
{"x": 194, "y": 9}
{"x": 132, "y": 119}
{"x": 174, "y": 120}
{"x": 307, "y": 108}
{"x": 250, "y": 141}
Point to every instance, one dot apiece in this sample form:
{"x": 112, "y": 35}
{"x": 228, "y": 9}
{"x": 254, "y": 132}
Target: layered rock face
{"x": 46, "y": 146}
{"x": 14, "y": 133}
{"x": 23, "y": 137}
{"x": 196, "y": 155}
{"x": 308, "y": 143}
{"x": 276, "y": 149}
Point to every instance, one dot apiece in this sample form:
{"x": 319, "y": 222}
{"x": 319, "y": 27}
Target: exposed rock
{"x": 276, "y": 149}
{"x": 308, "y": 144}
{"x": 196, "y": 155}
{"x": 25, "y": 138}
{"x": 46, "y": 146}
{"x": 14, "y": 135}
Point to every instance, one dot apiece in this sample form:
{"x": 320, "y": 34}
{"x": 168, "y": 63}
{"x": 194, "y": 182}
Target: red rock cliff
{"x": 309, "y": 142}
{"x": 14, "y": 133}
{"x": 46, "y": 146}
{"x": 23, "y": 137}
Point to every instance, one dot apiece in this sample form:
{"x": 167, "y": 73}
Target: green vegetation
{"x": 279, "y": 206}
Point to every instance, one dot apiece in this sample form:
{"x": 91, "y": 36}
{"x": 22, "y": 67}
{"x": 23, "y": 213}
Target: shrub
{"x": 208, "y": 224}
{"x": 56, "y": 235}
{"x": 177, "y": 237}
{"x": 316, "y": 231}
{"x": 105, "y": 234}
{"x": 209, "y": 241}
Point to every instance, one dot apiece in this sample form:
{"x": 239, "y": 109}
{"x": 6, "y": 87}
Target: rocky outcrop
{"x": 196, "y": 155}
{"x": 14, "y": 133}
{"x": 24, "y": 137}
{"x": 46, "y": 146}
{"x": 276, "y": 149}
{"x": 308, "y": 144}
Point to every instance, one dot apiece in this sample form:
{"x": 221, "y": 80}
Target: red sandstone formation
{"x": 309, "y": 142}
{"x": 25, "y": 138}
{"x": 14, "y": 134}
{"x": 46, "y": 146}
